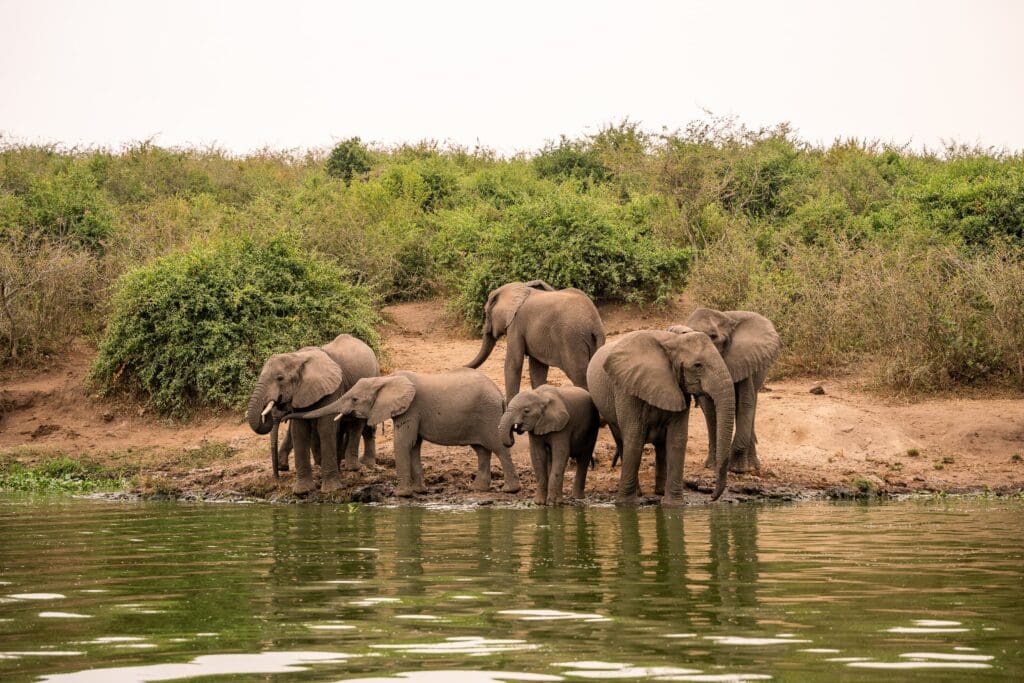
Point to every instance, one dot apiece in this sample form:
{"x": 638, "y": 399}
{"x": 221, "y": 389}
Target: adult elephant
{"x": 642, "y": 386}
{"x": 307, "y": 379}
{"x": 749, "y": 345}
{"x": 559, "y": 328}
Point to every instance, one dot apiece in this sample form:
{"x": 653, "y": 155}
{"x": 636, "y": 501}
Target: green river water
{"x": 100, "y": 591}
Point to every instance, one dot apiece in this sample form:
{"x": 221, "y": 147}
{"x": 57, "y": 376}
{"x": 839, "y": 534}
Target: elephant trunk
{"x": 721, "y": 391}
{"x": 255, "y": 413}
{"x": 274, "y": 459}
{"x": 486, "y": 346}
{"x": 505, "y": 429}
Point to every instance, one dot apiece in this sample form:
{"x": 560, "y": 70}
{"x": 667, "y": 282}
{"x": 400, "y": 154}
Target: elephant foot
{"x": 540, "y": 499}
{"x": 303, "y": 485}
{"x": 368, "y": 460}
{"x": 481, "y": 484}
{"x": 627, "y": 499}
{"x": 350, "y": 465}
{"x": 741, "y": 463}
{"x": 330, "y": 484}
{"x": 659, "y": 490}
{"x": 511, "y": 486}
{"x": 420, "y": 488}
{"x": 282, "y": 467}
{"x": 673, "y": 502}
{"x": 404, "y": 491}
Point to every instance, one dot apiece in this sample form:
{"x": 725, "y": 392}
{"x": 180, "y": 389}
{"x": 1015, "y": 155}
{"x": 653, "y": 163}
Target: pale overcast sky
{"x": 510, "y": 75}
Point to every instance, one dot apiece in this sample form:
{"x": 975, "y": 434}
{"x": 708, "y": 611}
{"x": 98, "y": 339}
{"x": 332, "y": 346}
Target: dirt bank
{"x": 836, "y": 443}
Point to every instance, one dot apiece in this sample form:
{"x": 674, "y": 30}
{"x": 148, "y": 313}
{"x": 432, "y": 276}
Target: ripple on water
{"x": 743, "y": 640}
{"x": 64, "y": 615}
{"x": 206, "y": 665}
{"x": 37, "y": 596}
{"x": 609, "y": 670}
{"x": 457, "y": 676}
{"x": 930, "y": 626}
{"x": 553, "y": 615}
{"x": 463, "y": 645}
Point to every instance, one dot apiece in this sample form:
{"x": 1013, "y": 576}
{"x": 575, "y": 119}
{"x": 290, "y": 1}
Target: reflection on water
{"x": 92, "y": 591}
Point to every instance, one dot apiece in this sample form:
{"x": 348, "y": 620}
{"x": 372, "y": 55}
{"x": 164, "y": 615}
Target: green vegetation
{"x": 194, "y": 327}
{"x": 189, "y": 266}
{"x": 60, "y": 474}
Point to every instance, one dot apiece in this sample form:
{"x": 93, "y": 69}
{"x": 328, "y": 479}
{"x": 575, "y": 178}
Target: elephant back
{"x": 356, "y": 359}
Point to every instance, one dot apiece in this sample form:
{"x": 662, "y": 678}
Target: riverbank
{"x": 845, "y": 442}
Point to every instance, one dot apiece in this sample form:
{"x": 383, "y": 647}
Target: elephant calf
{"x": 458, "y": 408}
{"x": 562, "y": 423}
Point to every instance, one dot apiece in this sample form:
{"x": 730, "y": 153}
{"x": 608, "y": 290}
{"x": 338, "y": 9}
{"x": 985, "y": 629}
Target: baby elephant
{"x": 562, "y": 423}
{"x": 458, "y": 408}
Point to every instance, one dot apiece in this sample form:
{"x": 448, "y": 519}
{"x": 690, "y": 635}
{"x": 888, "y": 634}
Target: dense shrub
{"x": 348, "y": 158}
{"x": 49, "y": 293}
{"x": 68, "y": 206}
{"x": 572, "y": 240}
{"x": 570, "y": 159}
{"x": 193, "y": 328}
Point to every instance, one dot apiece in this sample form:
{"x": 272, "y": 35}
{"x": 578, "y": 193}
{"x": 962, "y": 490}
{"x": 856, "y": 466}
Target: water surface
{"x": 96, "y": 591}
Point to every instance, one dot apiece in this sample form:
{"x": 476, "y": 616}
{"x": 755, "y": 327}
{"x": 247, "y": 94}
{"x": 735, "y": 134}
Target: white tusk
{"x": 337, "y": 417}
{"x": 266, "y": 411}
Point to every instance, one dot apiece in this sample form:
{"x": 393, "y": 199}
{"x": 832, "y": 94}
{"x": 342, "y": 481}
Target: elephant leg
{"x": 617, "y": 436}
{"x": 369, "y": 445}
{"x": 584, "y": 459}
{"x": 406, "y": 435}
{"x": 675, "y": 450}
{"x": 483, "y": 469}
{"x": 707, "y": 406}
{"x": 659, "y": 467}
{"x": 418, "y": 484}
{"x": 744, "y": 447}
{"x": 327, "y": 429}
{"x": 556, "y": 475}
{"x": 514, "y": 353}
{"x": 508, "y": 470}
{"x": 539, "y": 460}
{"x": 576, "y": 371}
{"x": 300, "y": 433}
{"x": 350, "y": 453}
{"x": 632, "y": 450}
{"x": 538, "y": 373}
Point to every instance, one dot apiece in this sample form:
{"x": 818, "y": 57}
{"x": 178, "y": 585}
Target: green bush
{"x": 69, "y": 206}
{"x": 193, "y": 328}
{"x": 348, "y": 159}
{"x": 572, "y": 240}
{"x": 570, "y": 159}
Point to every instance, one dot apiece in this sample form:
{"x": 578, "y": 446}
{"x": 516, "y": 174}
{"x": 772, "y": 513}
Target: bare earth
{"x": 835, "y": 444}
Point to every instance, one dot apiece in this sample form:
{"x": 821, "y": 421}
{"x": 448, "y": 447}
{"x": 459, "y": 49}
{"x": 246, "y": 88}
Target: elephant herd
{"x": 641, "y": 386}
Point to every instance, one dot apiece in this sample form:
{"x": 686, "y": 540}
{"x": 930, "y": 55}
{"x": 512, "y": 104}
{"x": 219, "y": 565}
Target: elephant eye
{"x": 280, "y": 378}
{"x": 698, "y": 365}
{"x": 713, "y": 335}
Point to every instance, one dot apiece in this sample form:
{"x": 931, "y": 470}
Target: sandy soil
{"x": 810, "y": 445}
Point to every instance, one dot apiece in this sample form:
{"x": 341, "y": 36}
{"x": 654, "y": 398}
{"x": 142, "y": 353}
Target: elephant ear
{"x": 320, "y": 376}
{"x": 639, "y": 364}
{"x": 753, "y": 346}
{"x": 506, "y": 305}
{"x": 556, "y": 415}
{"x": 393, "y": 398}
{"x": 540, "y": 284}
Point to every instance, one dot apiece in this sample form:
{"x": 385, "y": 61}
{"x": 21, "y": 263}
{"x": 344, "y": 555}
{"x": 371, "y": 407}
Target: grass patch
{"x": 61, "y": 474}
{"x": 205, "y": 453}
{"x": 863, "y": 485}
{"x": 913, "y": 452}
